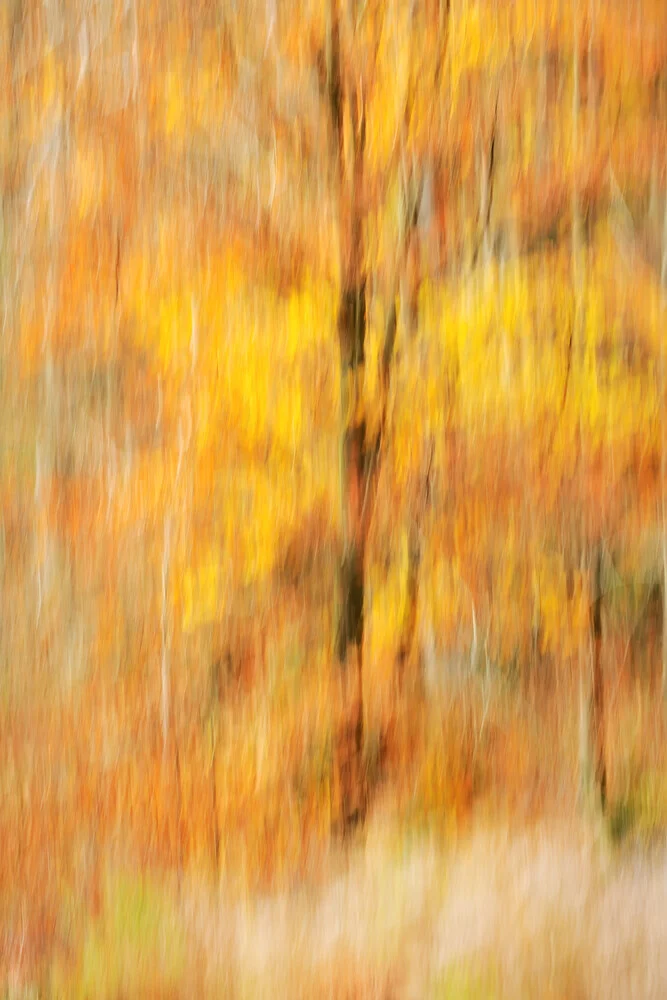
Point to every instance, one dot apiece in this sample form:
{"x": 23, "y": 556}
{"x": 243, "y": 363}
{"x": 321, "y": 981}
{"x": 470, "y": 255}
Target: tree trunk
{"x": 663, "y": 457}
{"x": 409, "y": 623}
{"x": 349, "y": 805}
{"x": 350, "y": 584}
{"x": 409, "y": 282}
{"x": 594, "y": 771}
{"x": 576, "y": 213}
{"x": 597, "y": 700}
{"x": 360, "y": 453}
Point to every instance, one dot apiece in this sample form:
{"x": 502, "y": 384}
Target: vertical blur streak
{"x": 164, "y": 639}
{"x": 663, "y": 450}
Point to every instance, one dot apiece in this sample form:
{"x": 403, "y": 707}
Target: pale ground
{"x": 552, "y": 911}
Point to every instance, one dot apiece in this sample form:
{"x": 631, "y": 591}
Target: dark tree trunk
{"x": 409, "y": 623}
{"x": 349, "y": 805}
{"x": 410, "y": 282}
{"x": 349, "y": 777}
{"x": 594, "y": 771}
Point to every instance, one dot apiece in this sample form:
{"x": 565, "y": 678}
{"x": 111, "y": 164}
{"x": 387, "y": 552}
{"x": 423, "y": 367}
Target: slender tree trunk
{"x": 663, "y": 456}
{"x": 350, "y": 583}
{"x": 592, "y": 766}
{"x": 409, "y": 622}
{"x": 597, "y": 699}
{"x": 594, "y": 770}
{"x": 410, "y": 280}
{"x": 576, "y": 214}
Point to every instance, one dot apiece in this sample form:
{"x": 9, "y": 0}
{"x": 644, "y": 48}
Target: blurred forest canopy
{"x": 171, "y": 247}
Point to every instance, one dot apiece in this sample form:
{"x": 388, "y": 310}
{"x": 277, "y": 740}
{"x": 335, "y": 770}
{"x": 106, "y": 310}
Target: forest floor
{"x": 548, "y": 911}
{"x": 509, "y": 892}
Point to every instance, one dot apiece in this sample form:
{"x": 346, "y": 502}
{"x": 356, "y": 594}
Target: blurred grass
{"x": 463, "y": 984}
{"x": 137, "y": 946}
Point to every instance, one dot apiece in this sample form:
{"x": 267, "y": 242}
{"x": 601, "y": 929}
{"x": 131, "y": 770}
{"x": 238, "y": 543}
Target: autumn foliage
{"x": 174, "y": 251}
